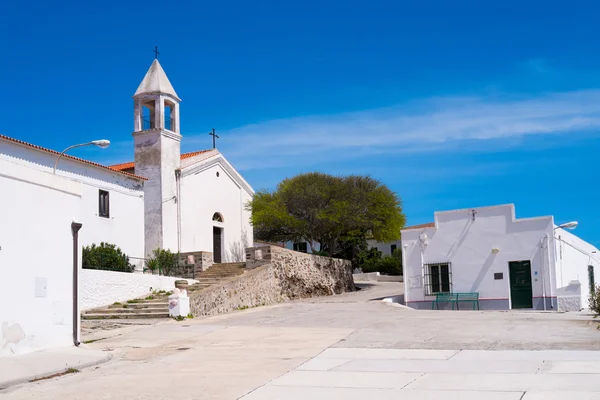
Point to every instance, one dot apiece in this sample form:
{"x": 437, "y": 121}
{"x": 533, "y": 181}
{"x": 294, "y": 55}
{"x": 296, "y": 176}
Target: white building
{"x": 194, "y": 202}
{"x": 37, "y": 209}
{"x": 512, "y": 263}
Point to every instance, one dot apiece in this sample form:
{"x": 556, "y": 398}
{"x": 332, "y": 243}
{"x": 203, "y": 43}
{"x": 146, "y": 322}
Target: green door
{"x": 520, "y": 284}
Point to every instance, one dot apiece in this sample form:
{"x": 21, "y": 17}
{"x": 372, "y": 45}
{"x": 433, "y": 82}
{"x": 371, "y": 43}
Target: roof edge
{"x": 70, "y": 157}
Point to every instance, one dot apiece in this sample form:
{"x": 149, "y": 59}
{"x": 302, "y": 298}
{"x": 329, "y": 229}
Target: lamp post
{"x": 102, "y": 143}
{"x": 568, "y": 225}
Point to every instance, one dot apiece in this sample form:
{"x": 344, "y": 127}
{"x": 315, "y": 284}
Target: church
{"x": 55, "y": 204}
{"x": 193, "y": 202}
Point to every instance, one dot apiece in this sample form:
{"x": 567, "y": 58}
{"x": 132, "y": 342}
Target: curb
{"x": 27, "y": 379}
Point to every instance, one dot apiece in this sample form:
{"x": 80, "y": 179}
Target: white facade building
{"x": 37, "y": 209}
{"x": 512, "y": 263}
{"x": 194, "y": 202}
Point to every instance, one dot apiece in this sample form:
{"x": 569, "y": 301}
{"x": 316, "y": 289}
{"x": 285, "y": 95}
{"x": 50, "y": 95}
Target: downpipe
{"x": 542, "y": 271}
{"x": 75, "y": 227}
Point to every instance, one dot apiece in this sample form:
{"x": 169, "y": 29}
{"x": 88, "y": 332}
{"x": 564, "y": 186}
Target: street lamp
{"x": 102, "y": 143}
{"x": 568, "y": 225}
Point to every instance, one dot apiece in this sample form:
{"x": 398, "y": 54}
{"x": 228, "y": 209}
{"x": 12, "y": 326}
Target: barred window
{"x": 301, "y": 247}
{"x": 438, "y": 278}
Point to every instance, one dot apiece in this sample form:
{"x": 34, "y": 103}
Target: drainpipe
{"x": 177, "y": 199}
{"x": 542, "y": 270}
{"x": 404, "y": 249}
{"x": 75, "y": 227}
{"x": 549, "y": 270}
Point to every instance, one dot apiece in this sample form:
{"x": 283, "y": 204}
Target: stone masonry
{"x": 275, "y": 275}
{"x": 202, "y": 260}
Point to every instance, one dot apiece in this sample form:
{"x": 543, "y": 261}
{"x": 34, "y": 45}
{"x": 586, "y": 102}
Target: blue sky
{"x": 452, "y": 104}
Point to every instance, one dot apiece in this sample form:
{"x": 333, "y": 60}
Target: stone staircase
{"x": 156, "y": 305}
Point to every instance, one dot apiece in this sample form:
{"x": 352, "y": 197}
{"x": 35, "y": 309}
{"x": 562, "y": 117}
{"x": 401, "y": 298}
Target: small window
{"x": 393, "y": 248}
{"x": 438, "y": 278}
{"x": 301, "y": 247}
{"x": 498, "y": 276}
{"x": 217, "y": 217}
{"x": 103, "y": 204}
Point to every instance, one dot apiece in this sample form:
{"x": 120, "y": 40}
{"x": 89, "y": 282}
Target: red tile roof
{"x": 131, "y": 164}
{"x": 427, "y": 225}
{"x": 81, "y": 160}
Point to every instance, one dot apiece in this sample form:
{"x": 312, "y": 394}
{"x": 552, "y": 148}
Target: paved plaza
{"x": 352, "y": 346}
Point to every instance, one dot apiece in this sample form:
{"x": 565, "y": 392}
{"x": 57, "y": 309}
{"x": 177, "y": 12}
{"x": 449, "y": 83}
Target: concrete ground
{"x": 350, "y": 346}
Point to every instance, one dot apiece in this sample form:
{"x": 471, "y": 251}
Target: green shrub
{"x": 594, "y": 300}
{"x": 373, "y": 261}
{"x": 163, "y": 260}
{"x": 107, "y": 257}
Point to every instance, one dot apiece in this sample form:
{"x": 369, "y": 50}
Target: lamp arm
{"x": 65, "y": 150}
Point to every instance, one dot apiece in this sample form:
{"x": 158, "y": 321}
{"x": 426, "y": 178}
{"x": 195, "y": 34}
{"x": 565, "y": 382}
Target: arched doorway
{"x": 217, "y": 237}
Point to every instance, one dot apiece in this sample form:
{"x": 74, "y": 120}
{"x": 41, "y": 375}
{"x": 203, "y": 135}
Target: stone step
{"x": 125, "y": 315}
{"x": 140, "y": 305}
{"x": 128, "y": 310}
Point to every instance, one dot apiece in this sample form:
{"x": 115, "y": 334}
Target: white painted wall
{"x": 102, "y": 288}
{"x": 468, "y": 244}
{"x": 203, "y": 193}
{"x": 309, "y": 248}
{"x": 384, "y": 248}
{"x": 36, "y": 212}
{"x": 125, "y": 227}
{"x": 573, "y": 256}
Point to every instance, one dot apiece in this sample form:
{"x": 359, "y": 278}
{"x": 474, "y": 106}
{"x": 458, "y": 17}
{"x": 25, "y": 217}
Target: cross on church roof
{"x": 215, "y": 137}
{"x": 156, "y": 53}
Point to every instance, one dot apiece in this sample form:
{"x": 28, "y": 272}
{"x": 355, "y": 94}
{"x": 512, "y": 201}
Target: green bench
{"x": 455, "y": 298}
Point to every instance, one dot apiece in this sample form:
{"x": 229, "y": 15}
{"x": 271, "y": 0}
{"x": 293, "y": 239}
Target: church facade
{"x": 193, "y": 202}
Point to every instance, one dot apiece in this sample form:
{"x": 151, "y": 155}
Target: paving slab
{"x": 561, "y": 395}
{"x": 343, "y": 379}
{"x": 442, "y": 366}
{"x": 571, "y": 367}
{"x": 40, "y": 364}
{"x": 329, "y": 393}
{"x": 323, "y": 364}
{"x": 539, "y": 355}
{"x": 386, "y": 354}
{"x": 508, "y": 382}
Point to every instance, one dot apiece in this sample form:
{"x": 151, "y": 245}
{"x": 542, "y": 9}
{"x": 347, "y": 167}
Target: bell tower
{"x": 157, "y": 154}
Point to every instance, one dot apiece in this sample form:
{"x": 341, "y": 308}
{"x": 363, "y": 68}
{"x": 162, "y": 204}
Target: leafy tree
{"x": 106, "y": 256}
{"x": 339, "y": 213}
{"x": 373, "y": 261}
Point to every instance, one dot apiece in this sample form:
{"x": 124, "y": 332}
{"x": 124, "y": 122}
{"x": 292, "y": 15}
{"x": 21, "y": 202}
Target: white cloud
{"x": 422, "y": 126}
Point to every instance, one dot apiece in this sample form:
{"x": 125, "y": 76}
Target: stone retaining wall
{"x": 275, "y": 275}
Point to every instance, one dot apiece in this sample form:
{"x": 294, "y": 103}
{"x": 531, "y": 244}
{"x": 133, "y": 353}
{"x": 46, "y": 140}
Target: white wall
{"x": 309, "y": 248}
{"x": 468, "y": 244}
{"x": 203, "y": 193}
{"x": 125, "y": 227}
{"x": 573, "y": 256}
{"x": 102, "y": 288}
{"x": 384, "y": 248}
{"x": 36, "y": 212}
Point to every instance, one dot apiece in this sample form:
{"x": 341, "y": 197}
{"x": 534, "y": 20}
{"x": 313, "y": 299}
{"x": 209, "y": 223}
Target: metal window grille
{"x": 438, "y": 278}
